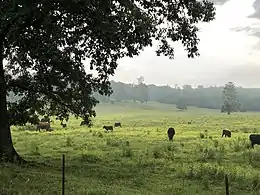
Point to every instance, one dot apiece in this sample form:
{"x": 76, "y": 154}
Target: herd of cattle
{"x": 254, "y": 138}
{"x": 45, "y": 123}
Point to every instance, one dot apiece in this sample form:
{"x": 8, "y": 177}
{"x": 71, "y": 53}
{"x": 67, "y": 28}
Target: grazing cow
{"x": 117, "y": 124}
{"x": 108, "y": 128}
{"x": 171, "y": 133}
{"x": 226, "y": 133}
{"x": 86, "y": 121}
{"x": 82, "y": 123}
{"x": 63, "y": 125}
{"x": 255, "y": 139}
{"x": 44, "y": 125}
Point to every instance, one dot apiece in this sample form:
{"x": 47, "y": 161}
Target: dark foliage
{"x": 45, "y": 43}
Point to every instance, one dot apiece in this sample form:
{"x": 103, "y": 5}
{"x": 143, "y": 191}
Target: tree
{"x": 181, "y": 104}
{"x": 45, "y": 43}
{"x": 140, "y": 80}
{"x": 119, "y": 91}
{"x": 141, "y": 90}
{"x": 230, "y": 101}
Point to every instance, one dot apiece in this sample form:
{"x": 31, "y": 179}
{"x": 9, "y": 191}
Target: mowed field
{"x": 138, "y": 158}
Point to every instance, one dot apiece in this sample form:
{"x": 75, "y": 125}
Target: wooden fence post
{"x": 63, "y": 174}
{"x": 227, "y": 185}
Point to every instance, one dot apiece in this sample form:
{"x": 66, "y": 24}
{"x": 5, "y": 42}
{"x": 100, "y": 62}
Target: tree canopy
{"x": 230, "y": 101}
{"x": 210, "y": 97}
{"x": 181, "y": 104}
{"x": 45, "y": 43}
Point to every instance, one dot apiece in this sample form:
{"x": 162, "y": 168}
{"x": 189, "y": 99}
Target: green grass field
{"x": 138, "y": 158}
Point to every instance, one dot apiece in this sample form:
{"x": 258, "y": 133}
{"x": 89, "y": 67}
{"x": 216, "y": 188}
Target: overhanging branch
{"x": 52, "y": 95}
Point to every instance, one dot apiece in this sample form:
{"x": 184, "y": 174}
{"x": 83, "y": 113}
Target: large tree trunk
{"x": 7, "y": 151}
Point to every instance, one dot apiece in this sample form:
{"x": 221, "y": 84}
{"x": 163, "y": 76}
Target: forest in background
{"x": 202, "y": 97}
{"x": 186, "y": 95}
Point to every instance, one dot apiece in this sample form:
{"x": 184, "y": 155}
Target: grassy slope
{"x": 137, "y": 158}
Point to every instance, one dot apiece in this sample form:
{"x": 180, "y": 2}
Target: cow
{"x": 82, "y": 123}
{"x": 63, "y": 125}
{"x": 43, "y": 125}
{"x": 108, "y": 128}
{"x": 171, "y": 133}
{"x": 255, "y": 139}
{"x": 86, "y": 121}
{"x": 226, "y": 133}
{"x": 189, "y": 122}
{"x": 117, "y": 124}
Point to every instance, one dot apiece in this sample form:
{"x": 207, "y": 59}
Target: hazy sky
{"x": 226, "y": 54}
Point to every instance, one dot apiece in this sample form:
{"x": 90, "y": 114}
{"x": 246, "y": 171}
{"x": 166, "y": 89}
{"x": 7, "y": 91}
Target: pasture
{"x": 138, "y": 158}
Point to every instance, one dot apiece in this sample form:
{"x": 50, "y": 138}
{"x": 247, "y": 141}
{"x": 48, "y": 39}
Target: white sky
{"x": 226, "y": 55}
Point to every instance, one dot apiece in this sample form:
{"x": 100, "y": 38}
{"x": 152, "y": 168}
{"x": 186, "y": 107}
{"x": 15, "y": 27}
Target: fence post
{"x": 227, "y": 185}
{"x": 63, "y": 174}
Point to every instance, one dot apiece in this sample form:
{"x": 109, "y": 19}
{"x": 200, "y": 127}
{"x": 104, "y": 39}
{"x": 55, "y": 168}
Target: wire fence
{"x": 63, "y": 178}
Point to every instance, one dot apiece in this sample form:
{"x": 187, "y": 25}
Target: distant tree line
{"x": 228, "y": 98}
{"x": 202, "y": 97}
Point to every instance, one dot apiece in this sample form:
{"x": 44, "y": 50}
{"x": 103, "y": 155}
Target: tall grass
{"x": 138, "y": 158}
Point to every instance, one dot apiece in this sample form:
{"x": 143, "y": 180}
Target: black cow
{"x": 171, "y": 133}
{"x": 86, "y": 122}
{"x": 63, "y": 125}
{"x": 108, "y": 128}
{"x": 117, "y": 124}
{"x": 255, "y": 139}
{"x": 226, "y": 133}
